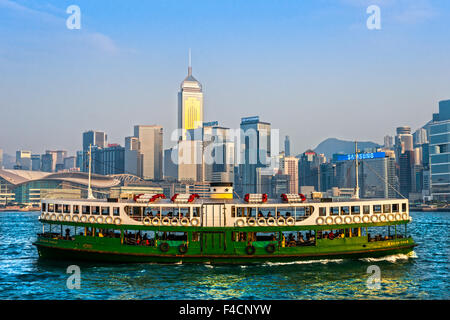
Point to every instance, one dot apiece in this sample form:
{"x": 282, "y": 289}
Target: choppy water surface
{"x": 424, "y": 275}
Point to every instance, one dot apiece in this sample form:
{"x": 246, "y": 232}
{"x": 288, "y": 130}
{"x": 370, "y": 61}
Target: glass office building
{"x": 439, "y": 149}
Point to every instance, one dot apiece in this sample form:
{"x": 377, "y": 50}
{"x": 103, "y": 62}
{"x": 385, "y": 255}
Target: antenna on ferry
{"x": 356, "y": 195}
{"x": 90, "y": 195}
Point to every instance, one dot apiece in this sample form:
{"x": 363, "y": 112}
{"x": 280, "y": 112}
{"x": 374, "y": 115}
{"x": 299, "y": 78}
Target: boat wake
{"x": 321, "y": 261}
{"x": 392, "y": 258}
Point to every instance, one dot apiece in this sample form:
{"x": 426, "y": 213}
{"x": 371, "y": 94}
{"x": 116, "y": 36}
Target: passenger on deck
{"x": 260, "y": 214}
{"x": 269, "y": 214}
{"x": 288, "y": 214}
{"x": 331, "y": 235}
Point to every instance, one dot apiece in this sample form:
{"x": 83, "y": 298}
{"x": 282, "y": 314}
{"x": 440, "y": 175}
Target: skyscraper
{"x": 190, "y": 104}
{"x": 36, "y": 162}
{"x": 308, "y": 169}
{"x": 255, "y": 151}
{"x": 132, "y": 156}
{"x": 287, "y": 146}
{"x": 289, "y": 166}
{"x": 23, "y": 160}
{"x": 439, "y": 149}
{"x": 403, "y": 141}
{"x": 151, "y": 150}
{"x": 95, "y": 139}
{"x": 219, "y": 153}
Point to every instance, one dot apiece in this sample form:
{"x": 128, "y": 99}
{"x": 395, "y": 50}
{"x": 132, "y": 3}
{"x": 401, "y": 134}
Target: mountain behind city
{"x": 332, "y": 145}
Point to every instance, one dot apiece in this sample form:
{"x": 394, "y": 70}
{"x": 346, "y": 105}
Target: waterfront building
{"x": 403, "y": 141}
{"x": 289, "y": 166}
{"x": 219, "y": 153}
{"x": 420, "y": 137}
{"x": 150, "y": 139}
{"x": 378, "y": 176}
{"x": 36, "y": 162}
{"x": 327, "y": 176}
{"x": 287, "y": 146}
{"x": 406, "y": 176}
{"x": 388, "y": 142}
{"x": 132, "y": 156}
{"x": 79, "y": 163}
{"x": 48, "y": 162}
{"x": 439, "y": 150}
{"x": 170, "y": 166}
{"x": 109, "y": 160}
{"x": 23, "y": 160}
{"x": 280, "y": 185}
{"x": 30, "y": 187}
{"x": 308, "y": 169}
{"x": 190, "y": 161}
{"x": 255, "y": 150}
{"x": 95, "y": 139}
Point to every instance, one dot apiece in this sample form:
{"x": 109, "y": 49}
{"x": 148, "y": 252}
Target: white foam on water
{"x": 393, "y": 258}
{"x": 322, "y": 261}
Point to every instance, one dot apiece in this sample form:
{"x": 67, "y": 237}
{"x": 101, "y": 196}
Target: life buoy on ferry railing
{"x": 195, "y": 222}
{"x": 320, "y": 221}
{"x": 53, "y": 217}
{"x": 147, "y": 221}
{"x": 183, "y": 248}
{"x": 357, "y": 219}
{"x": 100, "y": 220}
{"x": 383, "y": 218}
{"x": 405, "y": 216}
{"x": 240, "y": 222}
{"x": 165, "y": 221}
{"x": 281, "y": 221}
{"x": 83, "y": 218}
{"x": 60, "y": 217}
{"x": 329, "y": 220}
{"x": 174, "y": 222}
{"x": 366, "y": 219}
{"x": 156, "y": 221}
{"x": 261, "y": 222}
{"x": 75, "y": 218}
{"x": 348, "y": 220}
{"x": 271, "y": 221}
{"x": 391, "y": 217}
{"x": 290, "y": 221}
{"x": 47, "y": 216}
{"x": 374, "y": 219}
{"x": 184, "y": 221}
{"x": 109, "y": 220}
{"x": 338, "y": 220}
{"x": 91, "y": 219}
{"x": 251, "y": 222}
{"x": 117, "y": 221}
{"x": 398, "y": 217}
{"x": 270, "y": 248}
{"x": 164, "y": 247}
{"x": 67, "y": 217}
{"x": 250, "y": 250}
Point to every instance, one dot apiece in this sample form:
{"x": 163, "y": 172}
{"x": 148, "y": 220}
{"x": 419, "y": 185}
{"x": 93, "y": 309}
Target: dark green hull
{"x": 72, "y": 251}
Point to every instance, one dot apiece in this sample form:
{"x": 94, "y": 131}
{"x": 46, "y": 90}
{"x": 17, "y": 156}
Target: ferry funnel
{"x": 221, "y": 190}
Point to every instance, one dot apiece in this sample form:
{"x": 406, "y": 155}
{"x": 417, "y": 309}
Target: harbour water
{"x": 422, "y": 275}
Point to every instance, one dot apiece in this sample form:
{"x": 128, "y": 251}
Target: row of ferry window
{"x": 77, "y": 209}
{"x": 355, "y": 210}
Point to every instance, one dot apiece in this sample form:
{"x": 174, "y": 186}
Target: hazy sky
{"x": 310, "y": 68}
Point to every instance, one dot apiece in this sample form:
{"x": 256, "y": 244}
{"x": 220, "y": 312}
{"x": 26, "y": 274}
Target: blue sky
{"x": 311, "y": 68}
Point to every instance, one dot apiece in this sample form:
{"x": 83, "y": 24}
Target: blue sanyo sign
{"x": 361, "y": 156}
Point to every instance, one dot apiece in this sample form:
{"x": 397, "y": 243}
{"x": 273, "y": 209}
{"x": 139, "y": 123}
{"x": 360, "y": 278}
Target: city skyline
{"x": 326, "y": 66}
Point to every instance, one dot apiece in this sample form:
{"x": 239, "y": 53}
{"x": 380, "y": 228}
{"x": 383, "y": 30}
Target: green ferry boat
{"x": 220, "y": 229}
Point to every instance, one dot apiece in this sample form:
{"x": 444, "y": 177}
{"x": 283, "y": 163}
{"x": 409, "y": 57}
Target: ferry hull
{"x": 68, "y": 254}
